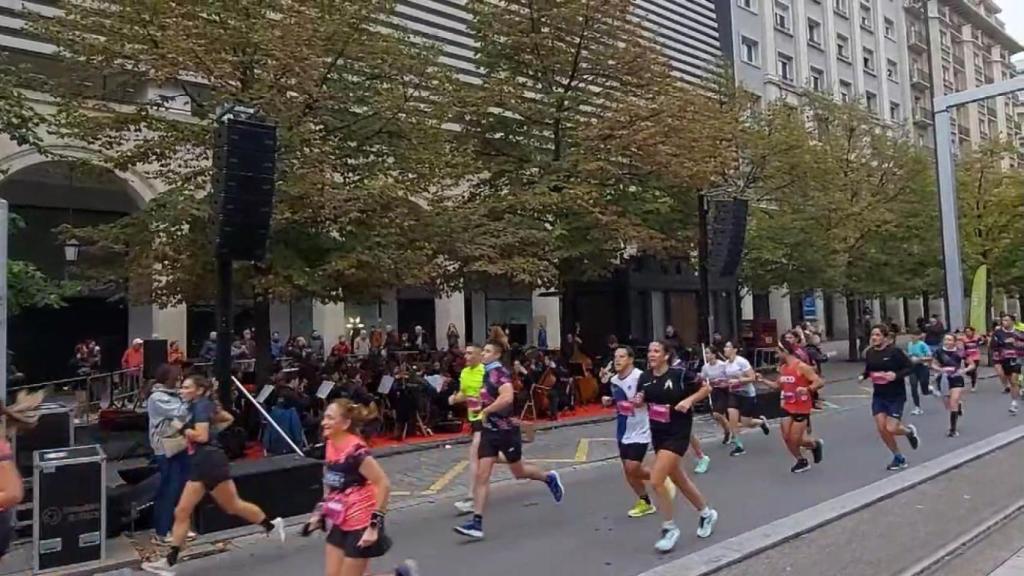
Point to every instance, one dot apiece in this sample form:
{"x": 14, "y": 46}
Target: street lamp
{"x": 71, "y": 249}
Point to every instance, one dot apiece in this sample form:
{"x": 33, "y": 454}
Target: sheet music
{"x": 325, "y": 388}
{"x": 437, "y": 381}
{"x": 386, "y": 382}
{"x": 264, "y": 393}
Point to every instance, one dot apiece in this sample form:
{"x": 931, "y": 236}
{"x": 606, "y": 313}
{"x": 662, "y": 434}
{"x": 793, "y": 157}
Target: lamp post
{"x": 71, "y": 250}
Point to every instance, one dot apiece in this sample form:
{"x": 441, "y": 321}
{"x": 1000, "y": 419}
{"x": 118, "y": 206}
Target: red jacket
{"x": 132, "y": 358}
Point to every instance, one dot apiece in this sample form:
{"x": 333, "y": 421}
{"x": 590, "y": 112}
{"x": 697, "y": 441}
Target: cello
{"x": 587, "y": 389}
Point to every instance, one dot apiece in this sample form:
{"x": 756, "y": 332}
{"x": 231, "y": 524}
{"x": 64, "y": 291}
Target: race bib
{"x": 659, "y": 412}
{"x": 474, "y": 404}
{"x": 878, "y": 378}
{"x": 334, "y": 508}
{"x": 625, "y": 408}
{"x": 735, "y": 384}
{"x": 719, "y": 383}
{"x": 949, "y": 369}
{"x": 789, "y": 397}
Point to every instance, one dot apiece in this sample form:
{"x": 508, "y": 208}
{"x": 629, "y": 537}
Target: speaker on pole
{"x": 728, "y": 231}
{"x": 244, "y": 168}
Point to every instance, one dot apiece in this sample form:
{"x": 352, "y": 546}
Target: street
{"x": 589, "y": 533}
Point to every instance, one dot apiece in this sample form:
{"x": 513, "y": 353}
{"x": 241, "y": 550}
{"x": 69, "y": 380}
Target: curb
{"x": 745, "y": 546}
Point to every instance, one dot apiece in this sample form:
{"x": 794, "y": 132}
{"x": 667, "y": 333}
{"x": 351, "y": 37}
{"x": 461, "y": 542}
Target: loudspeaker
{"x": 280, "y": 485}
{"x": 244, "y": 158}
{"x": 727, "y": 232}
{"x": 154, "y": 355}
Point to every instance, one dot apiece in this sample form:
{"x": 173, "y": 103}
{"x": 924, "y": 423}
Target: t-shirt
{"x": 495, "y": 376}
{"x": 1005, "y": 342}
{"x": 471, "y": 380}
{"x": 951, "y": 361}
{"x": 918, "y": 349}
{"x": 200, "y": 411}
{"x": 888, "y": 359}
{"x": 343, "y": 480}
{"x": 714, "y": 374}
{"x": 734, "y": 369}
{"x": 662, "y": 393}
{"x": 632, "y": 424}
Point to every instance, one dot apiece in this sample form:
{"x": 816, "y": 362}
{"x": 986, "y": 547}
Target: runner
{"x": 713, "y": 373}
{"x": 921, "y": 356}
{"x": 633, "y": 432}
{"x": 471, "y": 380}
{"x": 1006, "y": 342}
{"x": 887, "y": 367}
{"x": 703, "y": 461}
{"x": 796, "y": 383}
{"x": 356, "y": 492}
{"x": 951, "y": 365}
{"x": 670, "y": 397}
{"x": 500, "y": 435}
{"x": 971, "y": 343}
{"x": 741, "y": 397}
{"x": 209, "y": 473}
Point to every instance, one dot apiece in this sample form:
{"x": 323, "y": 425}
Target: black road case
{"x": 55, "y": 429}
{"x": 69, "y": 507}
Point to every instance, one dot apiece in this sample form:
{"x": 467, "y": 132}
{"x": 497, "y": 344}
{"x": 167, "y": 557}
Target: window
{"x": 871, "y": 101}
{"x": 785, "y": 67}
{"x": 842, "y": 47}
{"x": 869, "y": 60}
{"x": 750, "y": 51}
{"x": 890, "y": 29}
{"x": 845, "y": 88}
{"x": 841, "y": 6}
{"x": 813, "y": 32}
{"x": 748, "y": 5}
{"x": 817, "y": 79}
{"x": 782, "y": 13}
{"x": 895, "y": 112}
{"x": 892, "y": 70}
{"x": 867, "y": 20}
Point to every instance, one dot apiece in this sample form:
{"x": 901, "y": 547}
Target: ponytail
{"x": 358, "y": 414}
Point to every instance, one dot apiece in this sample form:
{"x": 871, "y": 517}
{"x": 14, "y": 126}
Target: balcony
{"x": 917, "y": 41}
{"x": 922, "y": 116}
{"x": 919, "y": 78}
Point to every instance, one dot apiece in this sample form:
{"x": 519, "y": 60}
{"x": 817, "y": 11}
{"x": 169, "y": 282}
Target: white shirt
{"x": 635, "y": 429}
{"x": 736, "y": 368}
{"x": 714, "y": 373}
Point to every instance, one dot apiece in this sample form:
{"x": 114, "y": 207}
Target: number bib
{"x": 625, "y": 408}
{"x": 659, "y": 412}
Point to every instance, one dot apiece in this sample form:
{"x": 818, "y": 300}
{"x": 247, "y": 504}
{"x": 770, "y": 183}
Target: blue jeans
{"x": 173, "y": 475}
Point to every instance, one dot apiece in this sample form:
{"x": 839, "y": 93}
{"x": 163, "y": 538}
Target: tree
{"x": 852, "y": 197}
{"x": 587, "y": 146}
{"x": 361, "y": 151}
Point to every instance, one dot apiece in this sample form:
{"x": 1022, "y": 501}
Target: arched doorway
{"x": 46, "y": 195}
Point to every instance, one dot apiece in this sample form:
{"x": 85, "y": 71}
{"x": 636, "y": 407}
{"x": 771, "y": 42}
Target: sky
{"x": 1013, "y": 15}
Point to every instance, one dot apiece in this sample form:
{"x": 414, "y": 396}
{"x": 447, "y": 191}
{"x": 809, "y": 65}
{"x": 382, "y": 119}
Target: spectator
{"x": 934, "y": 332}
{"x": 208, "y": 352}
{"x": 276, "y": 346}
{"x": 405, "y": 343}
{"x": 249, "y": 342}
{"x": 673, "y": 339}
{"x": 132, "y": 357}
{"x": 376, "y": 338}
{"x": 420, "y": 340}
{"x": 164, "y": 407}
{"x": 316, "y": 345}
{"x": 542, "y": 337}
{"x": 238, "y": 350}
{"x": 175, "y": 355}
{"x": 362, "y": 344}
{"x": 95, "y": 355}
{"x": 341, "y": 349}
{"x": 452, "y": 335}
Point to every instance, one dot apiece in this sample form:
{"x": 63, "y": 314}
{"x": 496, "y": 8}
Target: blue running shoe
{"x": 473, "y": 529}
{"x": 554, "y": 482}
{"x": 899, "y": 462}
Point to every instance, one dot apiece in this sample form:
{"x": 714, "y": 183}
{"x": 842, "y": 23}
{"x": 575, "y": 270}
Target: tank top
{"x": 972, "y": 348}
{"x": 346, "y": 484}
{"x": 790, "y": 379}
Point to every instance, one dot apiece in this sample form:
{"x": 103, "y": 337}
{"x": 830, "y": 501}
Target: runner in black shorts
{"x": 500, "y": 435}
{"x": 951, "y": 365}
{"x": 887, "y": 367}
{"x": 670, "y": 395}
{"x": 209, "y": 473}
{"x": 1006, "y": 343}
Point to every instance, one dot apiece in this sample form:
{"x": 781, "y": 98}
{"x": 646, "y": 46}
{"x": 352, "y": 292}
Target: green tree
{"x": 361, "y": 150}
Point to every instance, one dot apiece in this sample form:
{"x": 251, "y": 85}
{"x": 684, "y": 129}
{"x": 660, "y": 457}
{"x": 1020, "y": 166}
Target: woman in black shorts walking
{"x": 209, "y": 472}
{"x": 670, "y": 395}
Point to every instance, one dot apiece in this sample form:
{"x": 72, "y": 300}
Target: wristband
{"x": 376, "y": 520}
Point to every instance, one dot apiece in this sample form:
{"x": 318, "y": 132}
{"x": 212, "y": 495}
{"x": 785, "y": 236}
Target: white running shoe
{"x": 159, "y": 567}
{"x": 916, "y": 411}
{"x": 1013, "y": 407}
{"x": 278, "y": 528}
{"x": 706, "y": 524}
{"x": 669, "y": 537}
{"x": 408, "y": 568}
{"x": 464, "y": 506}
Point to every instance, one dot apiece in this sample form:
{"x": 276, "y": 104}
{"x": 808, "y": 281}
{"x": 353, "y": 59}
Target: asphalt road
{"x": 589, "y": 533}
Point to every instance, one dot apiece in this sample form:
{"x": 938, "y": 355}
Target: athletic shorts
{"x": 476, "y": 425}
{"x": 676, "y": 440}
{"x": 210, "y": 466}
{"x": 719, "y": 400}
{"x": 955, "y": 382}
{"x": 506, "y": 442}
{"x": 633, "y": 452}
{"x": 796, "y": 417}
{"x": 745, "y": 405}
{"x": 1010, "y": 366}
{"x": 891, "y": 407}
{"x": 348, "y": 542}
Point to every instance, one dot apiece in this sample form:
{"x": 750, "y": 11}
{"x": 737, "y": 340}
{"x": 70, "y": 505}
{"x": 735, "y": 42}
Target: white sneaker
{"x": 464, "y": 506}
{"x": 191, "y": 536}
{"x": 706, "y": 524}
{"x": 159, "y": 567}
{"x": 278, "y": 528}
{"x": 916, "y": 411}
{"x": 1013, "y": 407}
{"x": 669, "y": 537}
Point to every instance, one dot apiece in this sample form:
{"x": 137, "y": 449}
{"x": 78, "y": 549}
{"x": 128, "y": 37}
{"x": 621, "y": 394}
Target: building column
{"x": 329, "y": 320}
{"x": 154, "y": 322}
{"x": 747, "y": 306}
{"x": 547, "y": 310}
{"x": 841, "y": 330}
{"x": 778, "y": 304}
{"x": 657, "y": 314}
{"x": 478, "y": 306}
{"x": 450, "y": 310}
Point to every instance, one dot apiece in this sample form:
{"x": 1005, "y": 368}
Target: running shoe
{"x": 702, "y": 464}
{"x": 953, "y": 433}
{"x": 706, "y": 524}
{"x": 738, "y": 451}
{"x": 912, "y": 436}
{"x": 1013, "y": 408}
{"x": 641, "y": 509}
{"x": 726, "y": 438}
{"x": 916, "y": 411}
{"x": 278, "y": 528}
{"x": 1006, "y": 390}
{"x": 472, "y": 529}
{"x": 554, "y": 482}
{"x": 669, "y": 537}
{"x": 159, "y": 567}
{"x": 764, "y": 426}
{"x": 464, "y": 506}
{"x": 802, "y": 465}
{"x": 818, "y": 451}
{"x": 898, "y": 463}
{"x": 408, "y": 568}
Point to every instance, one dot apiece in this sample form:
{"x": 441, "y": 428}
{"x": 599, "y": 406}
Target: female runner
{"x": 951, "y": 365}
{"x": 797, "y": 383}
{"x": 971, "y": 343}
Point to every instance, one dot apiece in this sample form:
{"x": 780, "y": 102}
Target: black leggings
{"x": 919, "y": 381}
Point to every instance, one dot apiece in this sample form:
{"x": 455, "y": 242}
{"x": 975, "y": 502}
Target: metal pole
{"x": 266, "y": 416}
{"x": 703, "y": 304}
{"x": 950, "y": 220}
{"x": 225, "y": 329}
{"x": 4, "y": 215}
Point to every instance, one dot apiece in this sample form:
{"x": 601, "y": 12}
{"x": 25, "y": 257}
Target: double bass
{"x": 587, "y": 389}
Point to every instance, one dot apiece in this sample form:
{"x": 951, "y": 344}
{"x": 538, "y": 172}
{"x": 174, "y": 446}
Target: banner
{"x": 979, "y": 307}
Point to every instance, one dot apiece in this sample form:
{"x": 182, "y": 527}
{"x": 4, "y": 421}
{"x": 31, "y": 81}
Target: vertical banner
{"x": 979, "y": 307}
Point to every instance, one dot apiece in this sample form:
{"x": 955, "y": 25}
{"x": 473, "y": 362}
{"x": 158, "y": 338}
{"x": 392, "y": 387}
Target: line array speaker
{"x": 728, "y": 232}
{"x": 244, "y": 160}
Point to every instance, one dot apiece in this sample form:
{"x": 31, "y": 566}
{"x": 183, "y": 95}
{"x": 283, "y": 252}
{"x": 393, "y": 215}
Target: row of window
{"x": 784, "y": 18}
{"x": 750, "y": 53}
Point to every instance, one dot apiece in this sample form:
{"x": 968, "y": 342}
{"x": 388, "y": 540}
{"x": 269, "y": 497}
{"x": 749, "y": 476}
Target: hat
{"x": 137, "y": 341}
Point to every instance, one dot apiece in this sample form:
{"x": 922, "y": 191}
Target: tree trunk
{"x": 853, "y": 328}
{"x": 261, "y": 325}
